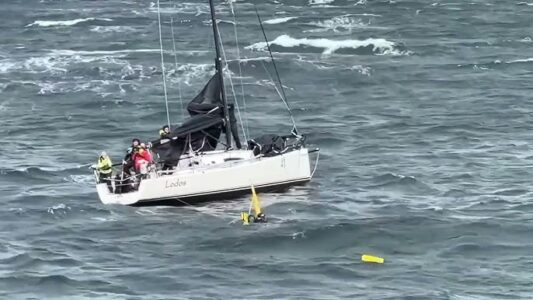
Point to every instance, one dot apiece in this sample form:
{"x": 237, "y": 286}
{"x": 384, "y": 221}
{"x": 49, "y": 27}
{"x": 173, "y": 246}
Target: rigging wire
{"x": 162, "y": 62}
{"x": 232, "y": 86}
{"x": 176, "y": 66}
{"x": 240, "y": 71}
{"x": 271, "y": 79}
{"x": 284, "y": 97}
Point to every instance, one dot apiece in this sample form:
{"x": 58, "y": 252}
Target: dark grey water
{"x": 422, "y": 111}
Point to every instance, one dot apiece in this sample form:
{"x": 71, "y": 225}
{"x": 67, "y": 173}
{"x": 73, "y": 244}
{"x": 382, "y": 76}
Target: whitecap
{"x": 42, "y": 23}
{"x": 188, "y": 72}
{"x": 320, "y": 2}
{"x": 381, "y": 46}
{"x": 80, "y": 179}
{"x": 208, "y": 22}
{"x": 361, "y": 69}
{"x": 337, "y": 24}
{"x": 251, "y": 59}
{"x": 279, "y": 20}
{"x": 520, "y": 60}
{"x": 58, "y": 61}
{"x": 60, "y": 208}
{"x": 112, "y": 29}
{"x": 184, "y": 8}
{"x": 66, "y": 52}
{"x": 298, "y": 235}
{"x": 6, "y": 66}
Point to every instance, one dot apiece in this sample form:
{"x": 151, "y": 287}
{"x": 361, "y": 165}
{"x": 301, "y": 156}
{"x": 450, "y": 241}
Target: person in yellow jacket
{"x": 104, "y": 167}
{"x": 164, "y": 132}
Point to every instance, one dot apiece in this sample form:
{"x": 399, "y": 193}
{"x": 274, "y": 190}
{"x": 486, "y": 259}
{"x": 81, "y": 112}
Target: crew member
{"x": 142, "y": 158}
{"x": 164, "y": 132}
{"x": 104, "y": 167}
{"x": 128, "y": 161}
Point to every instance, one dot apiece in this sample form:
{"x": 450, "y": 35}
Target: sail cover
{"x": 201, "y": 132}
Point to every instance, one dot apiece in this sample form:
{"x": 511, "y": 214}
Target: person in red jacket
{"x": 142, "y": 158}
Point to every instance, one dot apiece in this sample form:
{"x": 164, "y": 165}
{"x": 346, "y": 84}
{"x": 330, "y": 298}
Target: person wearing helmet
{"x": 128, "y": 159}
{"x": 104, "y": 167}
{"x": 164, "y": 132}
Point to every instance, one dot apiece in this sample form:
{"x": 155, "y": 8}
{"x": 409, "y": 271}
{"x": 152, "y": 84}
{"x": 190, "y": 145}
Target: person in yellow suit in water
{"x": 104, "y": 167}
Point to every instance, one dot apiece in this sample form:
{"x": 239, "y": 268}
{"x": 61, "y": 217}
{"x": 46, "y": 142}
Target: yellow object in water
{"x": 244, "y": 218}
{"x": 255, "y": 202}
{"x": 372, "y": 259}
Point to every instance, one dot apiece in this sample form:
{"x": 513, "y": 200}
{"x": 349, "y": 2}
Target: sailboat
{"x": 195, "y": 164}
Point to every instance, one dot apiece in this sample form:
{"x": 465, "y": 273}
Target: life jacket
{"x": 104, "y": 165}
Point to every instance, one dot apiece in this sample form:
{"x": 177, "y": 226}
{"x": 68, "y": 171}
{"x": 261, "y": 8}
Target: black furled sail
{"x": 211, "y": 115}
{"x": 202, "y": 131}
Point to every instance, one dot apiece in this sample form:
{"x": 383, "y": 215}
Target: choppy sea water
{"x": 422, "y": 111}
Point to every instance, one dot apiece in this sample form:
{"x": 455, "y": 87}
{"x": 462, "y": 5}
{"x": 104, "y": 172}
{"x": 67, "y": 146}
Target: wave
{"x": 112, "y": 29}
{"x": 54, "y": 63}
{"x": 25, "y": 260}
{"x": 32, "y": 170}
{"x": 60, "y": 61}
{"x": 208, "y": 22}
{"x": 376, "y": 46}
{"x": 187, "y": 73}
{"x": 80, "y": 179}
{"x": 4, "y": 104}
{"x": 35, "y": 282}
{"x": 520, "y": 60}
{"x": 361, "y": 69}
{"x": 400, "y": 182}
{"x": 6, "y": 66}
{"x": 41, "y": 23}
{"x": 58, "y": 209}
{"x": 338, "y": 24}
{"x": 65, "y": 52}
{"x": 279, "y": 20}
{"x": 320, "y": 2}
{"x": 181, "y": 8}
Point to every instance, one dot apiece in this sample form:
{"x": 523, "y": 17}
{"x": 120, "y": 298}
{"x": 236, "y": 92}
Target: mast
{"x": 218, "y": 67}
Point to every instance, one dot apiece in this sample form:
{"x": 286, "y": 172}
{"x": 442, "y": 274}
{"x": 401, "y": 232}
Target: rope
{"x": 176, "y": 64}
{"x": 316, "y": 164}
{"x": 162, "y": 62}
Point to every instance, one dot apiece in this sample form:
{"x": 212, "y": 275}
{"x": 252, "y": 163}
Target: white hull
{"x": 217, "y": 173}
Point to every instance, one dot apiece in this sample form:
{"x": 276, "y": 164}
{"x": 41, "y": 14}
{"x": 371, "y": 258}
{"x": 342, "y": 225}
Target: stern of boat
{"x": 108, "y": 197}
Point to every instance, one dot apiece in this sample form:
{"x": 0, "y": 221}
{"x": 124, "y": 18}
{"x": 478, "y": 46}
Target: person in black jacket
{"x": 128, "y": 159}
